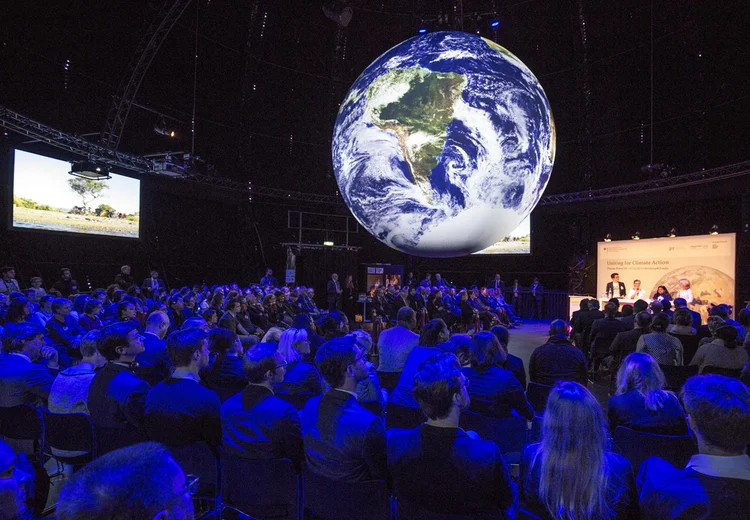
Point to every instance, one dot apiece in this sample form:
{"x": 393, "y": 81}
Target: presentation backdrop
{"x": 708, "y": 261}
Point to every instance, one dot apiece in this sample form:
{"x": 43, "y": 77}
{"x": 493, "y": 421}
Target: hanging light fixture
{"x": 672, "y": 233}
{"x": 636, "y": 236}
{"x": 608, "y": 238}
{"x": 714, "y": 230}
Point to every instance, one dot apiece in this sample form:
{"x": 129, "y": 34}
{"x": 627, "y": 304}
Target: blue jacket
{"x": 495, "y": 392}
{"x": 300, "y": 378}
{"x": 630, "y": 410}
{"x": 403, "y": 395}
{"x": 154, "y": 352}
{"x": 343, "y": 441}
{"x": 23, "y": 381}
{"x": 447, "y": 470}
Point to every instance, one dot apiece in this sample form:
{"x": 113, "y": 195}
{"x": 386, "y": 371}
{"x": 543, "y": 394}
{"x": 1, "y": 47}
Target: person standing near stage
{"x": 615, "y": 288}
{"x": 334, "y": 292}
{"x": 537, "y": 291}
{"x": 636, "y": 293}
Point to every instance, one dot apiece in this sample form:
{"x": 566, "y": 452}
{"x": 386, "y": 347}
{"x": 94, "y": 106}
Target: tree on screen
{"x": 88, "y": 190}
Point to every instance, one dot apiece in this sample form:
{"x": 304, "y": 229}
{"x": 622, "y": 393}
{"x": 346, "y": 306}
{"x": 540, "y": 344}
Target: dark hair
{"x": 115, "y": 336}
{"x": 79, "y": 303}
{"x": 208, "y": 314}
{"x": 720, "y": 310}
{"x": 258, "y": 361}
{"x": 593, "y": 305}
{"x": 720, "y": 409}
{"x": 131, "y": 483}
{"x": 91, "y": 305}
{"x": 627, "y": 310}
{"x": 660, "y": 322}
{"x": 614, "y": 301}
{"x": 502, "y": 334}
{"x": 6, "y": 268}
{"x": 332, "y": 359}
{"x": 728, "y": 333}
{"x": 743, "y": 317}
{"x": 643, "y": 319}
{"x": 121, "y": 308}
{"x": 16, "y": 337}
{"x": 16, "y": 307}
{"x": 657, "y": 307}
{"x": 44, "y": 299}
{"x": 640, "y": 306}
{"x": 584, "y": 304}
{"x": 682, "y": 317}
{"x": 221, "y": 340}
{"x": 174, "y": 299}
{"x": 610, "y": 310}
{"x": 183, "y": 343}
{"x": 680, "y": 302}
{"x": 405, "y": 314}
{"x": 614, "y": 274}
{"x": 666, "y": 305}
{"x": 231, "y": 303}
{"x": 430, "y": 336}
{"x": 436, "y": 381}
{"x": 486, "y": 351}
{"x": 60, "y": 302}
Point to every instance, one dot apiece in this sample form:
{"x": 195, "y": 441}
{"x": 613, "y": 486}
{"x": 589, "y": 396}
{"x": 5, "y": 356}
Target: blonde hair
{"x": 572, "y": 456}
{"x": 687, "y": 282}
{"x": 641, "y": 372}
{"x": 288, "y": 344}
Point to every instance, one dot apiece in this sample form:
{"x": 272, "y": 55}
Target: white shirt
{"x": 737, "y": 466}
{"x": 687, "y": 294}
{"x": 636, "y": 294}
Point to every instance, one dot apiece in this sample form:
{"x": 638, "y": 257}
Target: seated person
{"x": 722, "y": 352}
{"x": 343, "y": 441}
{"x": 225, "y": 375}
{"x": 116, "y": 396}
{"x": 23, "y": 378}
{"x": 43, "y": 315}
{"x": 63, "y": 331}
{"x": 154, "y": 345}
{"x": 494, "y": 391}
{"x": 15, "y": 472}
{"x": 438, "y": 466}
{"x": 716, "y": 482}
{"x": 369, "y": 389}
{"x": 301, "y": 377}
{"x": 558, "y": 360}
{"x": 665, "y": 349}
{"x": 90, "y": 319}
{"x": 641, "y": 403}
{"x": 512, "y": 363}
{"x": 564, "y": 475}
{"x": 256, "y": 424}
{"x": 180, "y": 410}
{"x": 133, "y": 483}
{"x": 70, "y": 390}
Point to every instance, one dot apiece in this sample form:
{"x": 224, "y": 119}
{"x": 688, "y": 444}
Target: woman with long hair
{"x": 19, "y": 311}
{"x": 570, "y": 475}
{"x": 301, "y": 377}
{"x": 494, "y": 391}
{"x": 640, "y": 401}
{"x": 661, "y": 294}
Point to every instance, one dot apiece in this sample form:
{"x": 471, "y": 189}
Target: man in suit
{"x": 438, "y": 466}
{"x": 681, "y": 303}
{"x": 124, "y": 279}
{"x": 154, "y": 345}
{"x": 343, "y": 440}
{"x": 229, "y": 319}
{"x": 603, "y": 332}
{"x": 537, "y": 293}
{"x": 174, "y": 312}
{"x": 333, "y": 290}
{"x": 629, "y": 320}
{"x": 497, "y": 283}
{"x": 575, "y": 326}
{"x": 116, "y": 396}
{"x": 180, "y": 410}
{"x": 257, "y": 424}
{"x": 616, "y": 288}
{"x": 557, "y": 360}
{"x": 23, "y": 378}
{"x": 716, "y": 482}
{"x": 626, "y": 342}
{"x": 394, "y": 345}
{"x": 152, "y": 285}
{"x": 269, "y": 279}
{"x": 586, "y": 320}
{"x": 439, "y": 282}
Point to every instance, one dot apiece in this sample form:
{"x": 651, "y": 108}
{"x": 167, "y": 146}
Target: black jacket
{"x": 557, "y": 360}
{"x": 629, "y": 409}
{"x": 603, "y": 333}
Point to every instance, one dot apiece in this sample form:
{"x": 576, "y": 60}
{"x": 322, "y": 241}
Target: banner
{"x": 707, "y": 262}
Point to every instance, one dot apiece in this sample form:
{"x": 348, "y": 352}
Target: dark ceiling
{"x": 592, "y": 58}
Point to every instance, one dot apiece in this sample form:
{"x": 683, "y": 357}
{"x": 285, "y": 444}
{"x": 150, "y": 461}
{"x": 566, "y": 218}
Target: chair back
{"x": 333, "y": 500}
{"x": 22, "y": 422}
{"x": 509, "y": 433}
{"x": 676, "y": 376}
{"x": 535, "y": 433}
{"x": 262, "y": 488}
{"x": 389, "y": 380}
{"x": 536, "y": 395}
{"x": 397, "y": 416}
{"x": 727, "y": 372}
{"x": 373, "y": 406}
{"x": 638, "y": 446}
{"x": 152, "y": 375}
{"x": 70, "y": 432}
{"x": 409, "y": 509}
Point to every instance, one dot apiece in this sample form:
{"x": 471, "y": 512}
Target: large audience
{"x": 427, "y": 402}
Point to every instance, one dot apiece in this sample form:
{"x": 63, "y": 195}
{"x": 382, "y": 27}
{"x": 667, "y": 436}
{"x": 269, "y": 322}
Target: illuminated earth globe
{"x": 709, "y": 286}
{"x": 443, "y": 145}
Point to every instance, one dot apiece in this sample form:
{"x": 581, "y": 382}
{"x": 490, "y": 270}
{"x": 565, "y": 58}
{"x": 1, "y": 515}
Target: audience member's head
{"x": 713, "y": 323}
{"x": 460, "y": 345}
{"x": 572, "y": 458}
{"x": 263, "y": 364}
{"x": 486, "y": 351}
{"x": 743, "y": 317}
{"x": 188, "y": 348}
{"x": 718, "y": 411}
{"x": 682, "y": 317}
{"x": 12, "y": 488}
{"x": 584, "y": 304}
{"x": 660, "y": 322}
{"x": 224, "y": 341}
{"x": 593, "y": 305}
{"x": 293, "y": 345}
{"x": 61, "y": 306}
{"x": 434, "y": 333}
{"x": 503, "y": 336}
{"x": 440, "y": 387}
{"x": 728, "y": 334}
{"x": 139, "y": 482}
{"x": 93, "y": 307}
{"x": 125, "y": 311}
{"x": 640, "y": 306}
{"x": 657, "y": 308}
{"x": 627, "y": 310}
{"x": 363, "y": 340}
{"x": 25, "y": 338}
{"x": 406, "y": 317}
{"x": 642, "y": 320}
{"x": 341, "y": 363}
{"x": 121, "y": 341}
{"x": 18, "y": 310}
{"x": 194, "y": 322}
{"x": 157, "y": 323}
{"x": 558, "y": 328}
{"x": 272, "y": 335}
{"x": 211, "y": 317}
{"x": 640, "y": 372}
{"x": 89, "y": 348}
{"x": 680, "y": 303}
{"x": 720, "y": 310}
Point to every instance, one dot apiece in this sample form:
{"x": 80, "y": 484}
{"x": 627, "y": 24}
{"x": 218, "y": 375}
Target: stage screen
{"x": 47, "y": 197}
{"x": 517, "y": 243}
{"x": 706, "y": 261}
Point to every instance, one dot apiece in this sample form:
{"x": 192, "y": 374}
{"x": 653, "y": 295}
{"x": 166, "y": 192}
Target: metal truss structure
{"x": 149, "y": 45}
{"x": 82, "y": 147}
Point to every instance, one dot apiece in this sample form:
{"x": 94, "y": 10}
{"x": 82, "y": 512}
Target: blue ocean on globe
{"x": 443, "y": 145}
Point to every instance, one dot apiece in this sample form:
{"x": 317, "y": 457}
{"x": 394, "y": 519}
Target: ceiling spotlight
{"x": 422, "y": 28}
{"x": 672, "y": 233}
{"x": 161, "y": 128}
{"x": 494, "y": 23}
{"x": 714, "y": 230}
{"x": 608, "y": 238}
{"x": 636, "y": 236}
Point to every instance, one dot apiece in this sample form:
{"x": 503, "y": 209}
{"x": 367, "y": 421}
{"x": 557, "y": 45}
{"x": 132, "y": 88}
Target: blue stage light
{"x": 422, "y": 30}
{"x": 495, "y": 24}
